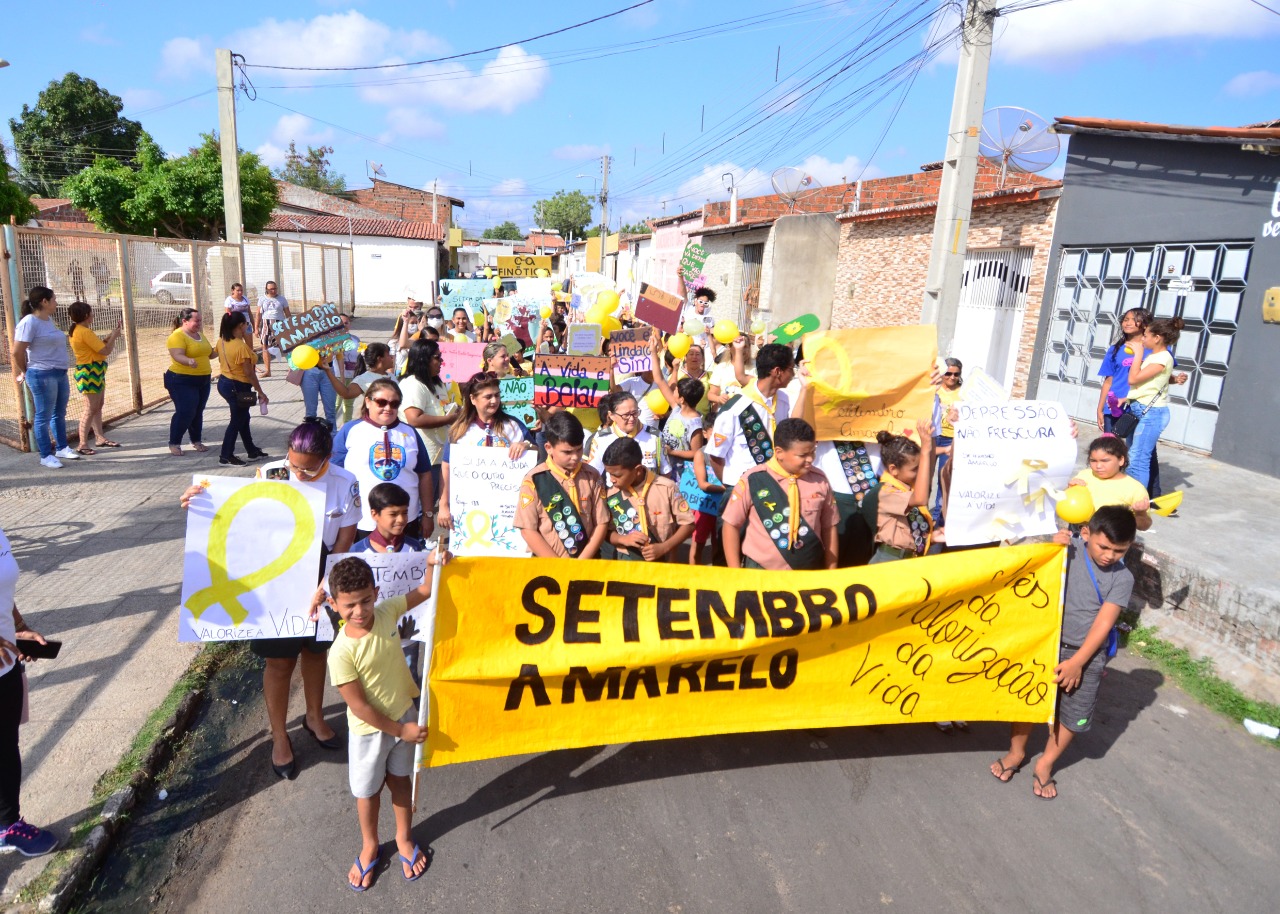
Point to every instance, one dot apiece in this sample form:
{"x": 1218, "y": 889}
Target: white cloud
{"x": 580, "y": 151}
{"x": 513, "y": 78}
{"x": 297, "y": 128}
{"x": 709, "y": 184}
{"x": 136, "y": 99}
{"x": 850, "y": 168}
{"x": 347, "y": 39}
{"x": 1257, "y": 82}
{"x": 97, "y": 34}
{"x": 413, "y": 124}
{"x": 182, "y": 58}
{"x": 511, "y": 187}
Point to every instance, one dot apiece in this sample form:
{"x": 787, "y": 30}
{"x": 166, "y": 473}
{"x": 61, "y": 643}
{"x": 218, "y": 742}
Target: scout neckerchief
{"x": 561, "y": 505}
{"x": 395, "y": 544}
{"x": 856, "y": 463}
{"x": 759, "y": 437}
{"x": 629, "y": 513}
{"x": 920, "y": 522}
{"x": 779, "y": 512}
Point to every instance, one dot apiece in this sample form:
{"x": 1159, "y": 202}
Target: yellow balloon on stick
{"x": 488, "y": 273}
{"x": 657, "y": 402}
{"x": 609, "y": 299}
{"x": 610, "y": 324}
{"x": 545, "y": 311}
{"x": 1076, "y": 505}
{"x": 679, "y": 345}
{"x": 725, "y": 331}
{"x": 597, "y": 313}
{"x": 497, "y": 283}
{"x": 304, "y": 357}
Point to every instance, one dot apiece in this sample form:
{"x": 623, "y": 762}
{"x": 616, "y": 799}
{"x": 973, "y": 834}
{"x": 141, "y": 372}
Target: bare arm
{"x": 346, "y": 536}
{"x": 537, "y": 545}
{"x": 19, "y": 354}
{"x": 1102, "y": 402}
{"x": 1140, "y": 375}
{"x": 731, "y": 537}
{"x": 924, "y": 478}
{"x": 353, "y": 694}
{"x": 592, "y": 549}
{"x": 344, "y": 389}
{"x": 1068, "y": 672}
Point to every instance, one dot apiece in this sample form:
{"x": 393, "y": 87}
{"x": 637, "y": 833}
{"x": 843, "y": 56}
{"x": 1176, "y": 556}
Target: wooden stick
{"x": 424, "y": 700}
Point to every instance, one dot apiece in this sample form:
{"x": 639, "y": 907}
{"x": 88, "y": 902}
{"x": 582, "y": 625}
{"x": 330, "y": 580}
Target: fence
{"x": 139, "y": 284}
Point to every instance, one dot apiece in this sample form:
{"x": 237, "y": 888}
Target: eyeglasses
{"x": 302, "y": 471}
{"x": 952, "y": 374}
{"x": 631, "y": 415}
{"x": 385, "y": 404}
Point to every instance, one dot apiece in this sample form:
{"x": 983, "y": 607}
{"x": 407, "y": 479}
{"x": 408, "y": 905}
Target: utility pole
{"x": 604, "y": 205}
{"x": 959, "y": 171}
{"x": 230, "y": 147}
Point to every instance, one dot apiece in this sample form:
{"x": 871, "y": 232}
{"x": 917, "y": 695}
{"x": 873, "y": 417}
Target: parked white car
{"x": 171, "y": 286}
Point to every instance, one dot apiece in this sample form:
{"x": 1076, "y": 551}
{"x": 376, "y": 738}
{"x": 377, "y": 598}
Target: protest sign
{"x": 706, "y": 502}
{"x": 979, "y": 387}
{"x": 570, "y": 381}
{"x": 249, "y": 568}
{"x": 539, "y": 289}
{"x": 659, "y": 309}
{"x": 560, "y": 653}
{"x": 586, "y": 286}
{"x": 464, "y": 293}
{"x": 484, "y": 484}
{"x": 869, "y": 380}
{"x": 517, "y": 398}
{"x": 1011, "y": 460}
{"x": 319, "y": 327}
{"x": 460, "y": 361}
{"x": 584, "y": 339}
{"x": 523, "y": 266}
{"x": 631, "y": 350}
{"x": 692, "y": 262}
{"x": 394, "y": 574}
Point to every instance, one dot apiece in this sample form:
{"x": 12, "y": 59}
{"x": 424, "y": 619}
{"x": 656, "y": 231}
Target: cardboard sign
{"x": 312, "y": 324}
{"x": 570, "y": 381}
{"x": 584, "y": 339}
{"x": 692, "y": 261}
{"x": 869, "y": 380}
{"x": 517, "y": 398}
{"x": 464, "y": 293}
{"x": 659, "y": 309}
{"x": 526, "y": 266}
{"x": 630, "y": 350}
{"x": 394, "y": 574}
{"x": 706, "y": 502}
{"x": 484, "y": 486}
{"x": 1010, "y": 461}
{"x": 461, "y": 361}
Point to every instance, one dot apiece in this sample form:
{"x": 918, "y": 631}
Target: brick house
{"x": 883, "y": 261}
{"x": 410, "y": 203}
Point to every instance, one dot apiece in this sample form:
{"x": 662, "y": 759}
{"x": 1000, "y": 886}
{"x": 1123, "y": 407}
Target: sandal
{"x": 85, "y": 451}
{"x": 1038, "y": 787}
{"x": 1010, "y": 769}
{"x": 417, "y": 853}
{"x": 198, "y": 447}
{"x": 107, "y": 442}
{"x": 364, "y": 873}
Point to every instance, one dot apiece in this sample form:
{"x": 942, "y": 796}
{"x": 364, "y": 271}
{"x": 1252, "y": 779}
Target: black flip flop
{"x": 1003, "y": 768}
{"x": 1042, "y": 785}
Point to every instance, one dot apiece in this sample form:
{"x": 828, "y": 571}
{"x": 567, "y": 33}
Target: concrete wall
{"x": 666, "y": 248}
{"x": 724, "y": 268}
{"x": 1121, "y": 190}
{"x": 800, "y": 268}
{"x": 386, "y": 269}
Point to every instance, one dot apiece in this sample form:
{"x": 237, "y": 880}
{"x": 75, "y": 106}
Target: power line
{"x": 497, "y": 47}
{"x": 1265, "y": 7}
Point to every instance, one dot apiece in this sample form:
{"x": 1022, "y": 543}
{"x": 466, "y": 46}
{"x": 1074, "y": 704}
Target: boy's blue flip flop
{"x": 364, "y": 871}
{"x": 417, "y": 852}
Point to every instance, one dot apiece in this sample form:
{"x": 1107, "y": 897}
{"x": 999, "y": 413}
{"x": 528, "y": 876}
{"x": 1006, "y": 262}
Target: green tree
{"x": 507, "y": 231}
{"x": 73, "y": 121}
{"x": 566, "y": 212}
{"x": 635, "y": 228}
{"x": 14, "y": 201}
{"x": 311, "y": 169}
{"x": 179, "y": 198}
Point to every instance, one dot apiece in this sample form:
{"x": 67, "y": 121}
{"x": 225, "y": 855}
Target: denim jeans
{"x": 939, "y": 441}
{"x": 316, "y": 386}
{"x": 1151, "y": 422}
{"x": 229, "y": 390}
{"x": 190, "y": 394}
{"x": 50, "y": 390}
{"x": 1153, "y": 487}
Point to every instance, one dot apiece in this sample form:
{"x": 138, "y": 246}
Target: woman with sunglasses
{"x": 381, "y": 447}
{"x": 482, "y": 421}
{"x": 308, "y": 464}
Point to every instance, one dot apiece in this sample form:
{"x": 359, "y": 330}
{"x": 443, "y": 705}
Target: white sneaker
{"x": 67, "y": 454}
{"x": 51, "y": 462}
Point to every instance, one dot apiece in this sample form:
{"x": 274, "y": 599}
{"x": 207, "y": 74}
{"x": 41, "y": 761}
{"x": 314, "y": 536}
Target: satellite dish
{"x": 793, "y": 185}
{"x": 1018, "y": 140}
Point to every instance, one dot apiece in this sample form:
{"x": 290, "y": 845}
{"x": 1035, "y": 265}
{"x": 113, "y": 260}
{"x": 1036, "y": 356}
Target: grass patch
{"x": 1197, "y": 679}
{"x": 197, "y": 675}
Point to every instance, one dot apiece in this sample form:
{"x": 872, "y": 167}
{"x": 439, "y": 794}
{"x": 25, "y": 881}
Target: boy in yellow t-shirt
{"x": 368, "y": 669}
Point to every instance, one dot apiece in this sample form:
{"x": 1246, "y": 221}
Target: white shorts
{"x": 373, "y": 756}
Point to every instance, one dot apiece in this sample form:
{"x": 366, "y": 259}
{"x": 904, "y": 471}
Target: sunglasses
{"x": 385, "y": 404}
{"x": 952, "y": 374}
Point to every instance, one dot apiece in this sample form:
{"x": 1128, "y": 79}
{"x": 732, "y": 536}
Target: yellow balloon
{"x": 679, "y": 345}
{"x": 610, "y": 324}
{"x": 304, "y": 357}
{"x": 1076, "y": 505}
{"x": 460, "y": 338}
{"x": 1166, "y": 504}
{"x": 758, "y": 327}
{"x": 657, "y": 402}
{"x": 497, "y": 283}
{"x": 609, "y": 299}
{"x": 488, "y": 273}
{"x": 541, "y": 273}
{"x": 725, "y": 331}
{"x": 545, "y": 311}
{"x": 597, "y": 313}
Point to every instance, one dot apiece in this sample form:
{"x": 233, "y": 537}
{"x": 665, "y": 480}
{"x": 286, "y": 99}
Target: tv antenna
{"x": 1018, "y": 140}
{"x": 794, "y": 185}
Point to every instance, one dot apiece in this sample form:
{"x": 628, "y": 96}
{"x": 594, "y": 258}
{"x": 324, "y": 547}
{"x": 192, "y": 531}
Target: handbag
{"x": 294, "y": 377}
{"x": 247, "y": 399}
{"x": 1125, "y": 424}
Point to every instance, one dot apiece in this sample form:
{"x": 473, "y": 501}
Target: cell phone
{"x": 37, "y": 651}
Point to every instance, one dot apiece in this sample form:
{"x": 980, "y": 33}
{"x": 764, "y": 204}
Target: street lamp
{"x": 593, "y": 183}
{"x": 3, "y": 63}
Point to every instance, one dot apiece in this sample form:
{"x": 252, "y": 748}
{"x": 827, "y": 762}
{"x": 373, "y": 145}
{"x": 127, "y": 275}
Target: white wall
{"x": 386, "y": 269}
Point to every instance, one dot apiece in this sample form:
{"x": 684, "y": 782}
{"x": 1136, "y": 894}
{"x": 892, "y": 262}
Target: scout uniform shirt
{"x": 761, "y": 502}
{"x": 743, "y": 432}
{"x": 651, "y": 453}
{"x": 897, "y": 523}
{"x": 655, "y": 508}
{"x": 564, "y": 513}
{"x": 852, "y": 467}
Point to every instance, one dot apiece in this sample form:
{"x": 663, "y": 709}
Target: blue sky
{"x": 502, "y": 129}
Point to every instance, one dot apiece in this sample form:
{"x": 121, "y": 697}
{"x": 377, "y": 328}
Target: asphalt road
{"x": 1164, "y": 807}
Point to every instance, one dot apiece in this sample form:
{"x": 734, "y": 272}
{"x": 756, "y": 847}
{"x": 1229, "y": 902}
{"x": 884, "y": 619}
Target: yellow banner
{"x": 533, "y": 655}
{"x": 870, "y": 379}
{"x": 524, "y": 266}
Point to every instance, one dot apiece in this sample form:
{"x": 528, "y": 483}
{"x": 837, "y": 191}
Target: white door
{"x": 993, "y": 301}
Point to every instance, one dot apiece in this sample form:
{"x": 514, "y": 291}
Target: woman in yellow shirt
{"x": 238, "y": 384}
{"x": 91, "y": 374}
{"x": 188, "y": 380}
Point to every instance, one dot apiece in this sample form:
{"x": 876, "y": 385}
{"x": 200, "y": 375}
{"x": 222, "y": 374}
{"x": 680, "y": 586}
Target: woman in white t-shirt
{"x": 424, "y": 401}
{"x": 237, "y": 302}
{"x": 378, "y": 362}
{"x": 272, "y": 307}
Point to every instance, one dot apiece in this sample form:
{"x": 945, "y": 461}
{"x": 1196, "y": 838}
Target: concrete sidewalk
{"x": 100, "y": 544}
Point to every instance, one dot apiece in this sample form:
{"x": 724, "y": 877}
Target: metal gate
{"x": 1203, "y": 283}
{"x": 993, "y": 301}
{"x": 752, "y": 263}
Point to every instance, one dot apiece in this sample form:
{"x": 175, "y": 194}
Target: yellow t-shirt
{"x": 237, "y": 360}
{"x": 85, "y": 345}
{"x": 948, "y": 398}
{"x": 1120, "y": 489}
{"x": 194, "y": 349}
{"x": 1155, "y": 392}
{"x": 377, "y": 663}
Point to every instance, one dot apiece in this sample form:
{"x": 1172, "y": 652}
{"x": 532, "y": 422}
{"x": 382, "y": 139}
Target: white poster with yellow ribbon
{"x": 484, "y": 484}
{"x": 252, "y": 559}
{"x": 1012, "y": 460}
{"x": 559, "y": 653}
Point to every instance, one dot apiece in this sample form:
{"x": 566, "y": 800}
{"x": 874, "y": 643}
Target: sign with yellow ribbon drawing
{"x": 1012, "y": 460}
{"x": 870, "y": 379}
{"x": 252, "y": 560}
{"x": 557, "y": 653}
{"x": 484, "y": 484}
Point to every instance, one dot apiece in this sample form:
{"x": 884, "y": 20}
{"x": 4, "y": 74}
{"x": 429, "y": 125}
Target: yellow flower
{"x": 793, "y": 327}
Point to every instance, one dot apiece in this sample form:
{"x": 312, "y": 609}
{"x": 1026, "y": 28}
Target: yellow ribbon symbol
{"x": 839, "y": 393}
{"x": 1022, "y": 478}
{"x": 477, "y": 524}
{"x": 226, "y": 592}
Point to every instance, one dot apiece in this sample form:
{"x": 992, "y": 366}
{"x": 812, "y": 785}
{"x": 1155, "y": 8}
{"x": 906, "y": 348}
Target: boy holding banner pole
{"x": 428, "y": 618}
{"x": 650, "y": 517}
{"x": 561, "y": 511}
